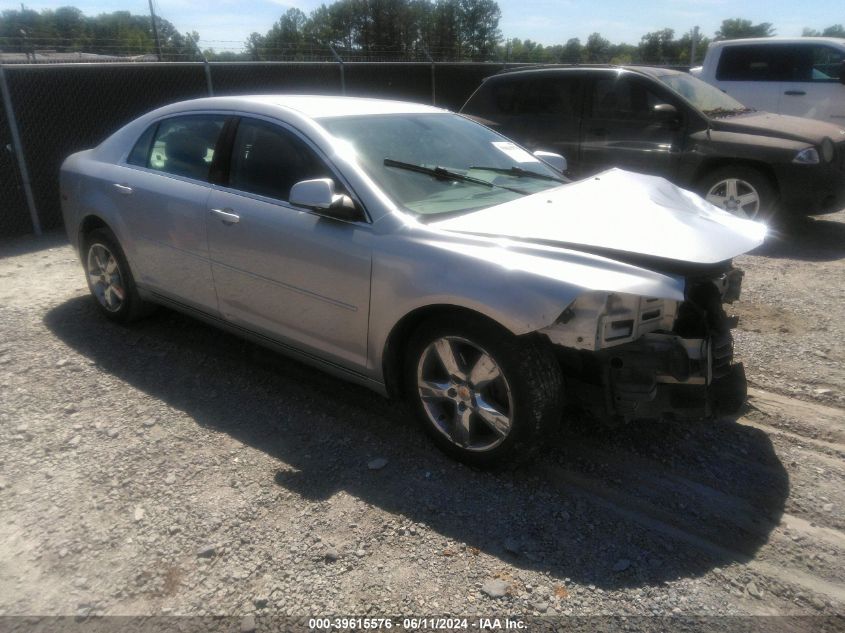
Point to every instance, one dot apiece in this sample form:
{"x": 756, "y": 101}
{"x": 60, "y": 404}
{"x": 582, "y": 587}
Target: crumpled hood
{"x": 792, "y": 128}
{"x": 619, "y": 212}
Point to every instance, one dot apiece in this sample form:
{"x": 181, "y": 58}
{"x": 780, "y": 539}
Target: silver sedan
{"x": 420, "y": 254}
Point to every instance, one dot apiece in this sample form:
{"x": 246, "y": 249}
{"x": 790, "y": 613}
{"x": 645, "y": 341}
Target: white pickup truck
{"x": 802, "y": 76}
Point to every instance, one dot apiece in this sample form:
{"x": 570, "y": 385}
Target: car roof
{"x": 544, "y": 69}
{"x": 308, "y": 106}
{"x": 780, "y": 40}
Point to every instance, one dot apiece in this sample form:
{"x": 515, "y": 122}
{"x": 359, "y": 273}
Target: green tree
{"x": 572, "y": 51}
{"x": 623, "y": 53}
{"x": 658, "y": 46}
{"x": 254, "y": 46}
{"x": 736, "y": 28}
{"x": 287, "y": 36}
{"x": 837, "y": 30}
{"x": 446, "y": 37}
{"x": 597, "y": 49}
{"x": 478, "y": 22}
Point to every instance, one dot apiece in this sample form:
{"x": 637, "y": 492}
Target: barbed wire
{"x": 58, "y": 49}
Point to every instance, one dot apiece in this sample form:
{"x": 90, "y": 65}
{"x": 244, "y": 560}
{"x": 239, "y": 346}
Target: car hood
{"x": 792, "y": 128}
{"x": 637, "y": 219}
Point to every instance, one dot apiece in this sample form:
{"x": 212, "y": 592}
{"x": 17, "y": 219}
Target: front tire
{"x": 110, "y": 279}
{"x": 741, "y": 190}
{"x": 484, "y": 396}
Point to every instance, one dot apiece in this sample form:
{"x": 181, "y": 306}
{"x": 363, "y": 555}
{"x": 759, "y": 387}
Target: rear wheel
{"x": 741, "y": 190}
{"x": 109, "y": 278}
{"x": 484, "y": 395}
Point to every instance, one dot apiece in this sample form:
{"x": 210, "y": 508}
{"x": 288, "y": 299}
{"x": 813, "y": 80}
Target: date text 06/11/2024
{"x": 416, "y": 624}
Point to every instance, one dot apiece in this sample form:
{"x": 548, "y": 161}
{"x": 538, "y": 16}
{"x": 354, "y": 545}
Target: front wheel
{"x": 482, "y": 394}
{"x": 741, "y": 190}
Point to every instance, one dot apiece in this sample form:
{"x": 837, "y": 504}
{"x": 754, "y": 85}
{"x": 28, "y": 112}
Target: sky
{"x": 225, "y": 24}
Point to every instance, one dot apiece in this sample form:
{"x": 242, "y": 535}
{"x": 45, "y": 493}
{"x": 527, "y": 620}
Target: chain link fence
{"x": 14, "y": 215}
{"x": 61, "y": 108}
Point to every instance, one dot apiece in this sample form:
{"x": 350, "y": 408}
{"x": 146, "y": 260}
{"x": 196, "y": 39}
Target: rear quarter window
{"x": 557, "y": 96}
{"x": 140, "y": 154}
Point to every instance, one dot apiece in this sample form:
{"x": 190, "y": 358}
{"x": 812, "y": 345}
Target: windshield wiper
{"x": 720, "y": 112}
{"x": 519, "y": 172}
{"x": 444, "y": 174}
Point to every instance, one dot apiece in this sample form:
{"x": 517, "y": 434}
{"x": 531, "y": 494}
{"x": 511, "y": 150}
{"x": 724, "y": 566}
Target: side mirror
{"x": 319, "y": 195}
{"x": 842, "y": 73}
{"x": 665, "y": 112}
{"x": 555, "y": 161}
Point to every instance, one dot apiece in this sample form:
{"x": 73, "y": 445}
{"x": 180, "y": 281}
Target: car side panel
{"x": 522, "y": 291}
{"x": 165, "y": 217}
{"x": 293, "y": 275}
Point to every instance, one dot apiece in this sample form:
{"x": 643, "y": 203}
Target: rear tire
{"x": 110, "y": 279}
{"x": 498, "y": 400}
{"x": 741, "y": 190}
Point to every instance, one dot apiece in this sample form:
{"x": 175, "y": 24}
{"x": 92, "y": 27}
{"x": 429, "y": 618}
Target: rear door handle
{"x": 124, "y": 189}
{"x": 598, "y": 131}
{"x": 795, "y": 93}
{"x": 226, "y": 216}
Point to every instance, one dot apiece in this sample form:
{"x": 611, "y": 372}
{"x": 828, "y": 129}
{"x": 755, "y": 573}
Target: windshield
{"x": 709, "y": 99}
{"x": 437, "y": 163}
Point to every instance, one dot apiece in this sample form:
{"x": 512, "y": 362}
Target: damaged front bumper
{"x": 676, "y": 362}
{"x": 663, "y": 375}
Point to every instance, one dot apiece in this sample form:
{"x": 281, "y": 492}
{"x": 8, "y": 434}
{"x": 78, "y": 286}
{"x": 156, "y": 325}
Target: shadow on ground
{"x": 13, "y": 246}
{"x": 644, "y": 505}
{"x": 805, "y": 238}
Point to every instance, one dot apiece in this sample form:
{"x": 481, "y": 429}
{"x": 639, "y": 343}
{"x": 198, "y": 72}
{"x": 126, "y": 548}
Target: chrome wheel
{"x": 104, "y": 277}
{"x": 735, "y": 196}
{"x": 465, "y": 394}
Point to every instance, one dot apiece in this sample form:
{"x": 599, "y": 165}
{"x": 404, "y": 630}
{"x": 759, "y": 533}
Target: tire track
{"x": 665, "y": 523}
{"x": 641, "y": 471}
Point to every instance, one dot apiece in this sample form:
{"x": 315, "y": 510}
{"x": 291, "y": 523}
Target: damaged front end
{"x": 628, "y": 357}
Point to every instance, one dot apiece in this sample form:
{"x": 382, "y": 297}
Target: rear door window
{"x": 819, "y": 64}
{"x": 759, "y": 62}
{"x": 184, "y": 145}
{"x": 557, "y": 96}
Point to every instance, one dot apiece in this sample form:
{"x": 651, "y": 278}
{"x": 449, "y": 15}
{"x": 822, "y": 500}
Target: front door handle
{"x": 795, "y": 93}
{"x": 226, "y": 216}
{"x": 124, "y": 189}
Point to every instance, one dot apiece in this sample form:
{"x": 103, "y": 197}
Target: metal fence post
{"x": 433, "y": 92}
{"x": 19, "y": 156}
{"x": 342, "y": 74}
{"x": 206, "y": 67}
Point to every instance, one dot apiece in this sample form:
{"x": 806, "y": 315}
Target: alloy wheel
{"x": 735, "y": 196}
{"x": 465, "y": 394}
{"x": 105, "y": 278}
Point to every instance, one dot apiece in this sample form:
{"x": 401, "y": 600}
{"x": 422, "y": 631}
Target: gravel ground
{"x": 168, "y": 468}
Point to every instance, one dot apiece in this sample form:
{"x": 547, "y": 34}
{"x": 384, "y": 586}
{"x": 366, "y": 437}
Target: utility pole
{"x": 693, "y": 42}
{"x": 155, "y": 29}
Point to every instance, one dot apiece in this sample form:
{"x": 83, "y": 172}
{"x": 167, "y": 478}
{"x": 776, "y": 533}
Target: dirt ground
{"x": 168, "y": 468}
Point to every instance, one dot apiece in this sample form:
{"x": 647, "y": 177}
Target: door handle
{"x": 795, "y": 93}
{"x": 226, "y": 216}
{"x": 598, "y": 131}
{"x": 124, "y": 189}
